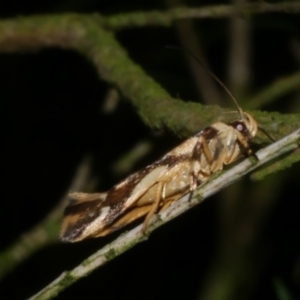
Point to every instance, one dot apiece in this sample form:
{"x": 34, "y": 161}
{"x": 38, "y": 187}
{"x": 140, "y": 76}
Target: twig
{"x": 239, "y": 65}
{"x": 190, "y": 39}
{"x": 157, "y": 109}
{"x": 159, "y": 18}
{"x": 131, "y": 238}
{"x": 275, "y": 90}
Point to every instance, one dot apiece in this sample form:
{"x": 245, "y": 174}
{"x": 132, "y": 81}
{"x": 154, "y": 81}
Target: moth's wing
{"x": 90, "y": 216}
{"x": 81, "y": 215}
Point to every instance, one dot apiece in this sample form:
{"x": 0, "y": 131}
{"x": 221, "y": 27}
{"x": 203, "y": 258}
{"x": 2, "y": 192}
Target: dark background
{"x": 52, "y": 112}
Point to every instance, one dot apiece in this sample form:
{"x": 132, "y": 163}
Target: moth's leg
{"x": 223, "y": 150}
{"x": 165, "y": 206}
{"x": 159, "y": 196}
{"x": 245, "y": 147}
{"x": 201, "y": 148}
{"x": 244, "y": 144}
{"x": 231, "y": 147}
{"x": 239, "y": 146}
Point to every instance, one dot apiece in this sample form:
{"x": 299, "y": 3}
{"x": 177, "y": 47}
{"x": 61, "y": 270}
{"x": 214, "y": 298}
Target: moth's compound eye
{"x": 240, "y": 127}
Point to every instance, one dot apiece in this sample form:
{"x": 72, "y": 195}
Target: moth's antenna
{"x": 212, "y": 75}
{"x": 266, "y": 134}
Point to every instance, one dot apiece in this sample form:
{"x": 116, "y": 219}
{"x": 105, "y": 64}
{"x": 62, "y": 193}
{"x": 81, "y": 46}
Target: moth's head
{"x": 250, "y": 123}
{"x": 246, "y": 125}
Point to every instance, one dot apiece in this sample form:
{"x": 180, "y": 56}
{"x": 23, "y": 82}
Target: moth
{"x": 155, "y": 187}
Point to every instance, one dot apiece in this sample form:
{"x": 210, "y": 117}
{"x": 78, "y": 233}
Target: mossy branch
{"x": 131, "y": 238}
{"x": 84, "y": 34}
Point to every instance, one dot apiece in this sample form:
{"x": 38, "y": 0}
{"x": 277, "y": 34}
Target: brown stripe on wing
{"x": 82, "y": 208}
{"x": 78, "y": 215}
{"x": 172, "y": 160}
{"x": 208, "y": 133}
